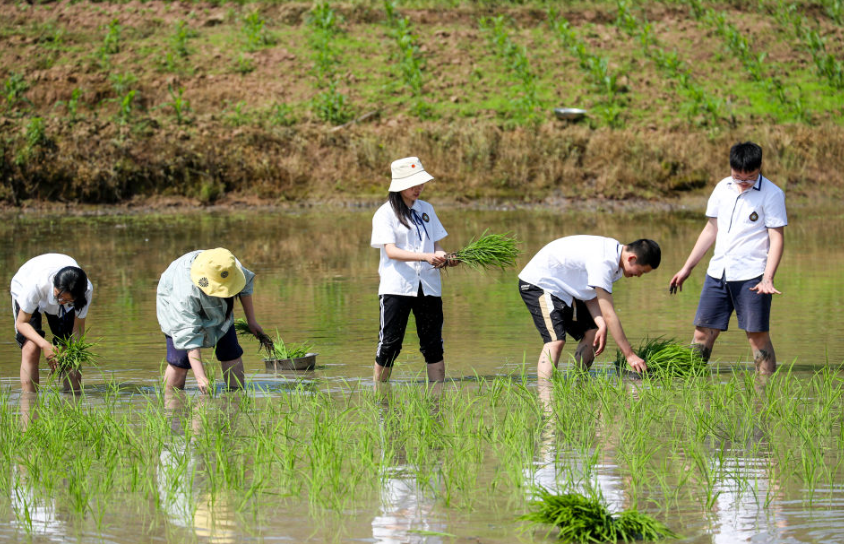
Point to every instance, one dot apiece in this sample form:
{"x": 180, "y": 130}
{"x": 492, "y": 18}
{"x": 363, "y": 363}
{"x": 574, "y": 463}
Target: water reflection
{"x": 35, "y": 512}
{"x": 180, "y": 472}
{"x": 585, "y": 468}
{"x": 407, "y": 511}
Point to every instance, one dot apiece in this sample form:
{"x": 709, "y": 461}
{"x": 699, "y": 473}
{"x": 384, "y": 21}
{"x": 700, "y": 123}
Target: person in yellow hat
{"x": 194, "y": 304}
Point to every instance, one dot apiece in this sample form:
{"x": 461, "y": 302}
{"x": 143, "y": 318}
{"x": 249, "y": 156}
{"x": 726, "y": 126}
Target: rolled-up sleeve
{"x": 250, "y": 280}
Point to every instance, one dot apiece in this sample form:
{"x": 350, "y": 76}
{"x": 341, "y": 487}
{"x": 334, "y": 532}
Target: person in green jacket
{"x": 194, "y": 304}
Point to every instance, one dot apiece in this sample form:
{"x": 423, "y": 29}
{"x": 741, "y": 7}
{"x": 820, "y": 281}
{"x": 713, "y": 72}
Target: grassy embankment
{"x": 107, "y": 102}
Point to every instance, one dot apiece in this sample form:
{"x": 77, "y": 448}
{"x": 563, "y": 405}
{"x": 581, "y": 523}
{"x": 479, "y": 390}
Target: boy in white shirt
{"x": 746, "y": 219}
{"x": 567, "y": 287}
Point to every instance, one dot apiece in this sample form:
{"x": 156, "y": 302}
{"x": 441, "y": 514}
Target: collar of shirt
{"x": 757, "y": 186}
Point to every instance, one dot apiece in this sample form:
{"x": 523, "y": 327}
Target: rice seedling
{"x": 73, "y": 352}
{"x": 289, "y": 351}
{"x": 666, "y": 358}
{"x": 241, "y": 327}
{"x": 488, "y": 251}
{"x": 632, "y": 525}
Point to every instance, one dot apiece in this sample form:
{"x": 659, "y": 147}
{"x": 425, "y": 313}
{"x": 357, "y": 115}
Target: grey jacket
{"x": 185, "y": 313}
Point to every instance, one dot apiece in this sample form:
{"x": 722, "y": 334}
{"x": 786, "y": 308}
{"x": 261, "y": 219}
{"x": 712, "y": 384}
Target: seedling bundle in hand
{"x": 587, "y": 520}
{"x": 73, "y": 352}
{"x": 241, "y": 327}
{"x": 667, "y": 358}
{"x": 490, "y": 250}
{"x": 275, "y": 349}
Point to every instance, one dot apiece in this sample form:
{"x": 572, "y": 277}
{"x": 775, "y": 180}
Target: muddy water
{"x": 317, "y": 281}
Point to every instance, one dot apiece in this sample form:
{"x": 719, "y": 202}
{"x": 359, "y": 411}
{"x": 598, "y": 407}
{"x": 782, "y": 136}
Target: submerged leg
{"x": 233, "y": 373}
{"x": 704, "y": 341}
{"x": 763, "y": 352}
{"x": 549, "y": 358}
{"x": 30, "y": 357}
{"x": 436, "y": 371}
{"x": 584, "y": 355}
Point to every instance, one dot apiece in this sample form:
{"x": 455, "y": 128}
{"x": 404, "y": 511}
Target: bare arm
{"x": 28, "y": 331}
{"x": 78, "y": 326}
{"x": 249, "y": 312}
{"x": 777, "y": 238}
{"x": 411, "y": 256}
{"x": 195, "y": 360}
{"x": 605, "y": 302}
{"x": 704, "y": 242}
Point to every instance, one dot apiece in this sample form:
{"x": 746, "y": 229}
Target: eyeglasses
{"x": 751, "y": 180}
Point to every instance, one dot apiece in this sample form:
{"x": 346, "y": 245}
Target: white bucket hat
{"x": 408, "y": 173}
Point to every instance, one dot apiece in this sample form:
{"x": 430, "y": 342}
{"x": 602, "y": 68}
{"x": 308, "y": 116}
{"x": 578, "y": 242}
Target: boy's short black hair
{"x": 745, "y": 157}
{"x": 73, "y": 280}
{"x": 647, "y": 252}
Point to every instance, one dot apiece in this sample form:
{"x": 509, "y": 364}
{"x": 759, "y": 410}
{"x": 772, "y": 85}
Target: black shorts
{"x": 553, "y": 317}
{"x": 61, "y": 327}
{"x": 395, "y": 311}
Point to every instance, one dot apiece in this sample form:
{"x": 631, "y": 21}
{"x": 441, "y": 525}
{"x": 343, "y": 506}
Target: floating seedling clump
{"x": 667, "y": 358}
{"x": 73, "y": 352}
{"x": 586, "y": 520}
{"x": 490, "y": 250}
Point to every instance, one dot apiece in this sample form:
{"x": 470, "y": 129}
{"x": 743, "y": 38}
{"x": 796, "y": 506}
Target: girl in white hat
{"x": 54, "y": 286}
{"x": 408, "y": 232}
{"x": 194, "y": 304}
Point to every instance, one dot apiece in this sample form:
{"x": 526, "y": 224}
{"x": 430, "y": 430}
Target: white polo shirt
{"x": 399, "y": 277}
{"x": 32, "y": 286}
{"x": 741, "y": 247}
{"x": 572, "y": 267}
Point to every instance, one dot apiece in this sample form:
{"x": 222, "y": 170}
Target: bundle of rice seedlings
{"x": 631, "y": 525}
{"x": 490, "y": 250}
{"x": 579, "y": 519}
{"x": 667, "y": 358}
{"x": 241, "y": 327}
{"x": 584, "y": 520}
{"x": 73, "y": 352}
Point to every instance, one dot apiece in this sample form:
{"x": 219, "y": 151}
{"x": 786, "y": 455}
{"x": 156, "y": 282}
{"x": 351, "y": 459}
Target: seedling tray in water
{"x": 306, "y": 362}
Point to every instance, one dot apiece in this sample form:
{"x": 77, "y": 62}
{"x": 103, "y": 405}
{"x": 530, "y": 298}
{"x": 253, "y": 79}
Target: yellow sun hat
{"x": 217, "y": 273}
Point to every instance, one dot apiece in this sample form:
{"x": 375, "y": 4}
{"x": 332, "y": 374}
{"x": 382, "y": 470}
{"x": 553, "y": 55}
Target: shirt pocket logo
{"x": 754, "y": 216}
{"x": 425, "y": 217}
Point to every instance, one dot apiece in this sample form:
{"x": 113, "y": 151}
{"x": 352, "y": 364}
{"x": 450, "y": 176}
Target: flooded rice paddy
{"x": 320, "y": 456}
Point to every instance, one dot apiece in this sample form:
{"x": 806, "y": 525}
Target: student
{"x": 567, "y": 287}
{"x": 195, "y": 303}
{"x": 746, "y": 221}
{"x": 52, "y": 285}
{"x": 408, "y": 232}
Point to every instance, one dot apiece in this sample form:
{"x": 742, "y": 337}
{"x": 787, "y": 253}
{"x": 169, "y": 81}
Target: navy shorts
{"x": 227, "y": 349}
{"x": 553, "y": 317}
{"x": 61, "y": 327}
{"x": 719, "y": 298}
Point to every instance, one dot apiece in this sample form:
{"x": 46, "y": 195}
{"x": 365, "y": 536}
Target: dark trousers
{"x": 395, "y": 311}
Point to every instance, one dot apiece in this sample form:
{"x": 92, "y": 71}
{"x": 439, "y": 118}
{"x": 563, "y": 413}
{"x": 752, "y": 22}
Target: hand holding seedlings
{"x": 242, "y": 327}
{"x": 490, "y": 250}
